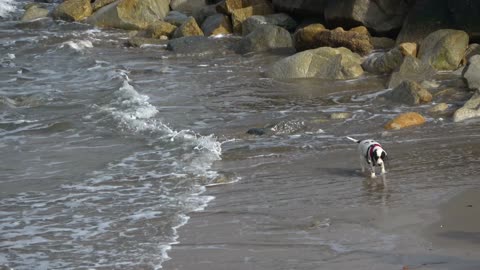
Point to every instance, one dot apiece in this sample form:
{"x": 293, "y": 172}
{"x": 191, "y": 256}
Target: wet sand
{"x": 318, "y": 212}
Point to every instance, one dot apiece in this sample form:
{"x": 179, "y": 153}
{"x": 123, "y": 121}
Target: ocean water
{"x": 106, "y": 150}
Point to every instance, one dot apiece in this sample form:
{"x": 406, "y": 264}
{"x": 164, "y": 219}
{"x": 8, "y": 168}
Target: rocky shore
{"x": 410, "y": 41}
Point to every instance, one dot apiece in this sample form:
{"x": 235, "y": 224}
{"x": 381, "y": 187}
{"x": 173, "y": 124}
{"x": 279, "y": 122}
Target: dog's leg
{"x": 383, "y": 169}
{"x": 362, "y": 164}
{"x": 372, "y": 171}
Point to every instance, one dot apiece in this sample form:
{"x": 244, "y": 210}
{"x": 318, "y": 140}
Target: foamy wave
{"x": 6, "y": 8}
{"x": 77, "y": 45}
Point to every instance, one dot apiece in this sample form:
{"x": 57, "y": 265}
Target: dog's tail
{"x": 353, "y": 140}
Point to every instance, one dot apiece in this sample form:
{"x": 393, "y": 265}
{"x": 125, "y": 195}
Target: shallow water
{"x": 107, "y": 151}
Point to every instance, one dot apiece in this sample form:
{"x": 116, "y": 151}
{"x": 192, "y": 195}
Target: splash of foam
{"x": 77, "y": 45}
{"x": 6, "y": 8}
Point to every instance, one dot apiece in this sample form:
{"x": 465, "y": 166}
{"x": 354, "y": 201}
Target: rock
{"x": 201, "y": 46}
{"x": 444, "y": 49}
{"x": 130, "y": 14}
{"x": 439, "y": 108}
{"x": 472, "y": 72}
{"x": 142, "y": 41}
{"x": 278, "y": 19}
{"x": 217, "y": 24}
{"x": 405, "y": 120}
{"x": 265, "y": 38}
{"x": 382, "y": 43}
{"x": 382, "y": 63}
{"x": 240, "y": 15}
{"x": 202, "y": 14}
{"x": 98, "y": 4}
{"x": 176, "y": 18}
{"x": 187, "y": 6}
{"x": 228, "y": 6}
{"x": 256, "y": 131}
{"x": 160, "y": 28}
{"x": 410, "y": 93}
{"x": 304, "y": 38}
{"x": 408, "y": 48}
{"x": 361, "y": 30}
{"x": 379, "y": 16}
{"x": 303, "y": 8}
{"x": 471, "y": 109}
{"x": 473, "y": 49}
{"x": 324, "y": 63}
{"x": 73, "y": 10}
{"x": 411, "y": 69}
{"x": 34, "y": 12}
{"x": 187, "y": 29}
{"x": 356, "y": 42}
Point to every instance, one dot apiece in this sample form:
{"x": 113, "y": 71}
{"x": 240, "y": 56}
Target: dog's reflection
{"x": 377, "y": 189}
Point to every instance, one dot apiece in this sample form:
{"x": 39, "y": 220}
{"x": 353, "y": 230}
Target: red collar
{"x": 371, "y": 149}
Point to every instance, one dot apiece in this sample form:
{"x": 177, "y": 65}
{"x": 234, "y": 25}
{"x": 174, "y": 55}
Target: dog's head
{"x": 379, "y": 156}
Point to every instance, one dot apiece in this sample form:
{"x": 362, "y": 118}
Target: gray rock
{"x": 411, "y": 69}
{"x": 200, "y": 46}
{"x": 218, "y": 24}
{"x": 279, "y": 19}
{"x": 383, "y": 62}
{"x": 444, "y": 49}
{"x": 410, "y": 93}
{"x": 472, "y": 72}
{"x": 143, "y": 41}
{"x": 202, "y": 14}
{"x": 382, "y": 43}
{"x": 256, "y": 131}
{"x": 471, "y": 109}
{"x": 379, "y": 16}
{"x": 265, "y": 38}
{"x": 187, "y": 6}
{"x": 176, "y": 18}
{"x": 324, "y": 63}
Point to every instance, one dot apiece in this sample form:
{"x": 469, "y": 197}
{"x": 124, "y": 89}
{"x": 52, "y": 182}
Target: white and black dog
{"x": 371, "y": 154}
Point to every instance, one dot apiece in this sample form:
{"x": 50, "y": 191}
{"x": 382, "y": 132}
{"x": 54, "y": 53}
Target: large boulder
{"x": 444, "y": 49}
{"x": 161, "y": 29}
{"x": 313, "y": 8}
{"x": 379, "y": 16}
{"x": 130, "y": 14}
{"x": 304, "y": 37}
{"x": 471, "y": 109}
{"x": 265, "y": 38}
{"x": 411, "y": 69}
{"x": 278, "y": 19}
{"x": 218, "y": 24}
{"x": 355, "y": 41}
{"x": 187, "y": 6}
{"x": 188, "y": 28}
{"x": 410, "y": 93}
{"x": 34, "y": 12}
{"x": 98, "y": 4}
{"x": 324, "y": 63}
{"x": 240, "y": 15}
{"x": 73, "y": 10}
{"x": 202, "y": 14}
{"x": 404, "y": 120}
{"x": 472, "y": 72}
{"x": 473, "y": 49}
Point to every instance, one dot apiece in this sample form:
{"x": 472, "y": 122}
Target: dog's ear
{"x": 384, "y": 155}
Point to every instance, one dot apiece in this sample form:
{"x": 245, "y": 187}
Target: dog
{"x": 371, "y": 154}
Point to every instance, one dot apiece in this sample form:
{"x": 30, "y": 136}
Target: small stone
{"x": 408, "y": 48}
{"x": 405, "y": 120}
{"x": 340, "y": 115}
{"x": 441, "y": 107}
